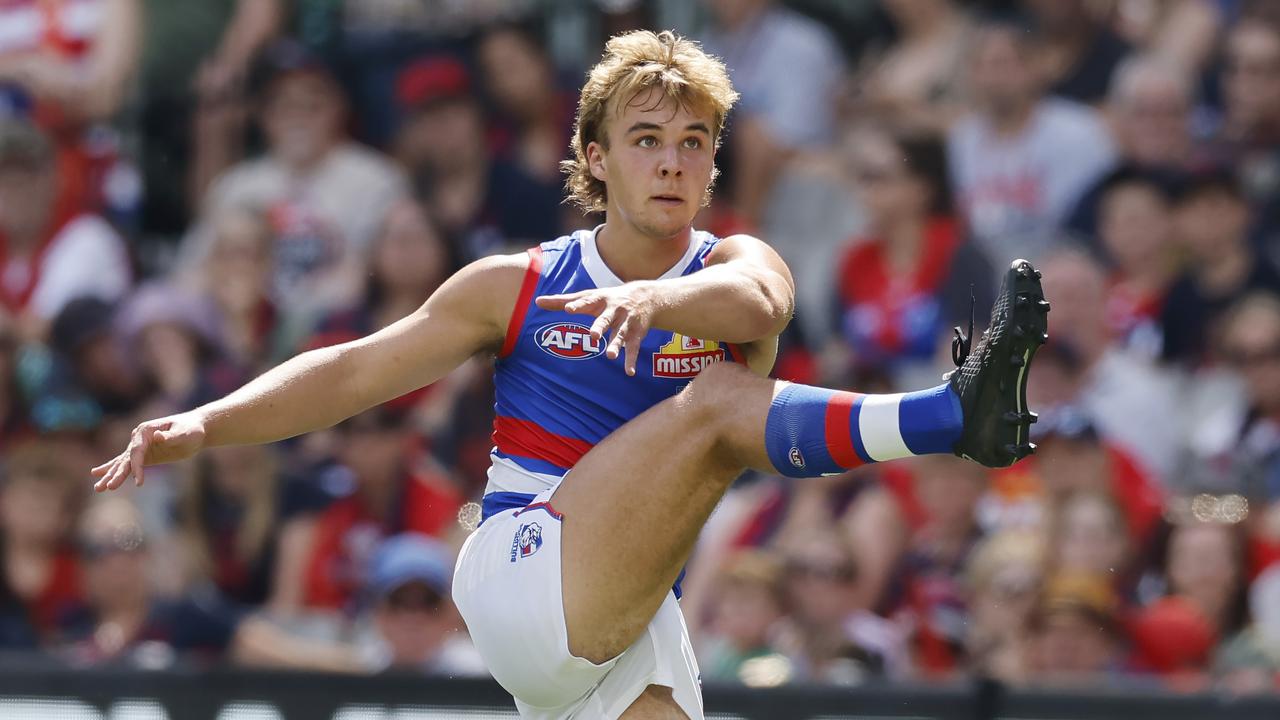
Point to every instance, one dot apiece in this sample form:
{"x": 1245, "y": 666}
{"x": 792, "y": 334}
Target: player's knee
{"x": 655, "y": 703}
{"x": 718, "y": 381}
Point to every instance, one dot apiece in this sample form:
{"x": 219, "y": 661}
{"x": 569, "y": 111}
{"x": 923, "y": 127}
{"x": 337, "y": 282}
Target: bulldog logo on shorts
{"x": 526, "y": 541}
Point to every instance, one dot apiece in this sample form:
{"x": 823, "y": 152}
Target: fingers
{"x": 117, "y": 469}
{"x": 138, "y": 454}
{"x": 603, "y": 322}
{"x": 617, "y": 341}
{"x": 635, "y": 333}
{"x": 587, "y": 305}
{"x": 554, "y": 302}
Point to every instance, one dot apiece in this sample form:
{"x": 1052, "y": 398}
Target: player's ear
{"x": 596, "y": 160}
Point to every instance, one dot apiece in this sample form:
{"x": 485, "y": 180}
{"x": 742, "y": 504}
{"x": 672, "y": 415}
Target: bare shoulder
{"x": 486, "y": 291}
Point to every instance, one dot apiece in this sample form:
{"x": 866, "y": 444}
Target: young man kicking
{"x": 631, "y": 390}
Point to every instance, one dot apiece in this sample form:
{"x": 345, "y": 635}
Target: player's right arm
{"x": 468, "y": 314}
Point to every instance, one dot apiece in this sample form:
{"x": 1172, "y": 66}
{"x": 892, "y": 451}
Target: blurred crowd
{"x": 192, "y": 192}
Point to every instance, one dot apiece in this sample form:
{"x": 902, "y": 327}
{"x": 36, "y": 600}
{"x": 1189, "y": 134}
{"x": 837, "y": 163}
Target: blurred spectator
{"x": 832, "y": 637}
{"x": 415, "y": 625}
{"x": 1003, "y": 579}
{"x": 410, "y": 259}
{"x": 1089, "y": 535}
{"x": 1211, "y": 222}
{"x": 123, "y": 620}
{"x": 40, "y": 497}
{"x": 1250, "y": 662}
{"x": 324, "y": 195}
{"x": 77, "y": 56}
{"x": 1149, "y": 104}
{"x": 1076, "y": 634}
{"x": 1243, "y": 436}
{"x": 126, "y": 622}
{"x": 193, "y": 99}
{"x": 68, "y": 65}
{"x": 1183, "y": 31}
{"x": 749, "y": 601}
{"x": 483, "y": 204}
{"x": 1071, "y": 459}
{"x": 1250, "y": 127}
{"x": 236, "y": 279}
{"x": 928, "y": 583}
{"x": 788, "y": 69}
{"x": 1020, "y": 161}
{"x": 1077, "y": 52}
{"x": 408, "y": 262}
{"x": 83, "y": 336}
{"x": 391, "y": 487}
{"x": 905, "y": 284}
{"x": 534, "y": 118}
{"x": 1133, "y": 404}
{"x": 14, "y": 421}
{"x": 230, "y": 513}
{"x": 50, "y": 250}
{"x": 914, "y": 84}
{"x": 1149, "y": 108}
{"x": 174, "y": 336}
{"x": 1137, "y": 235}
{"x": 1205, "y": 564}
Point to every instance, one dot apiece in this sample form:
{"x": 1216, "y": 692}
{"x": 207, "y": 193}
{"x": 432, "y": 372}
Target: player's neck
{"x": 633, "y": 255}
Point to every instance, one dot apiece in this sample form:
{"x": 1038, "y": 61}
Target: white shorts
{"x": 507, "y": 588}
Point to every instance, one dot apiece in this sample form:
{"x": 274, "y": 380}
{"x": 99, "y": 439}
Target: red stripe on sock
{"x": 839, "y": 432}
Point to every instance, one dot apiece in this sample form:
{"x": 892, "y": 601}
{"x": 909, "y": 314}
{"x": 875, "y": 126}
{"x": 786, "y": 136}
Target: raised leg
{"x": 633, "y": 506}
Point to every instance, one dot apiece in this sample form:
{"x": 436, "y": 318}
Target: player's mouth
{"x": 668, "y": 200}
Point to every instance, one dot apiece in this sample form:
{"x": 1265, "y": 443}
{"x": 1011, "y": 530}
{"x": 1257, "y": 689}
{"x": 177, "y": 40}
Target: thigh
{"x": 633, "y": 506}
{"x": 655, "y": 703}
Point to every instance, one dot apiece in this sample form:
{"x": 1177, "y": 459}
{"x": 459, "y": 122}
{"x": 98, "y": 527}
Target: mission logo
{"x": 570, "y": 341}
{"x": 685, "y": 357}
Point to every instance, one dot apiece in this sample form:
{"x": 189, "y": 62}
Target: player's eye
{"x": 647, "y": 141}
{"x": 693, "y": 143}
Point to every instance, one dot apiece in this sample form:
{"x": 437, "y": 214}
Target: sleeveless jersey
{"x": 557, "y": 394}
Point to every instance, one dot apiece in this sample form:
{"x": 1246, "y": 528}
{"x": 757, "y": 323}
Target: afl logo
{"x": 570, "y": 341}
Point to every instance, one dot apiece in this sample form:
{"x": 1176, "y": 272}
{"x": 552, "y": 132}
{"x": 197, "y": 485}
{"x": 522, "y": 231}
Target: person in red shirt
{"x": 39, "y": 572}
{"x": 900, "y": 287}
{"x": 393, "y": 488}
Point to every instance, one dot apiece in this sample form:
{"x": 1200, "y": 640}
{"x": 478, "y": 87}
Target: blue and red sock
{"x": 813, "y": 431}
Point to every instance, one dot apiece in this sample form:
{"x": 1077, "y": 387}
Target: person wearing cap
{"x": 179, "y": 352}
{"x": 324, "y": 195}
{"x": 1076, "y": 631}
{"x": 51, "y": 251}
{"x": 415, "y": 626}
{"x": 482, "y": 203}
{"x": 88, "y": 356}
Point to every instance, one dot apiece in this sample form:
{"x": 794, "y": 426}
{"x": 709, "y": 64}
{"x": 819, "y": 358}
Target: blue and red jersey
{"x": 557, "y": 394}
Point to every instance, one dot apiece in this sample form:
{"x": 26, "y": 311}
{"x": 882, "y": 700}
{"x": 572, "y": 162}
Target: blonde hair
{"x": 634, "y": 62}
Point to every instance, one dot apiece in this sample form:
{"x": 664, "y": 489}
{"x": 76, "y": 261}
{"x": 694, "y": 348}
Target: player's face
{"x": 658, "y": 164}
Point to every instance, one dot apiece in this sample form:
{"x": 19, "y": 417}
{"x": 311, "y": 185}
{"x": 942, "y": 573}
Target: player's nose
{"x": 669, "y": 163}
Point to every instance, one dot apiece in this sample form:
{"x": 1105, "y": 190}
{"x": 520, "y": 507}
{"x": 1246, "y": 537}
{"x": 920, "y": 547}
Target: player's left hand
{"x": 627, "y": 310}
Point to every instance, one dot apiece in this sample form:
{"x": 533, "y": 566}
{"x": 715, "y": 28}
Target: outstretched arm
{"x": 744, "y": 295}
{"x": 319, "y": 388}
